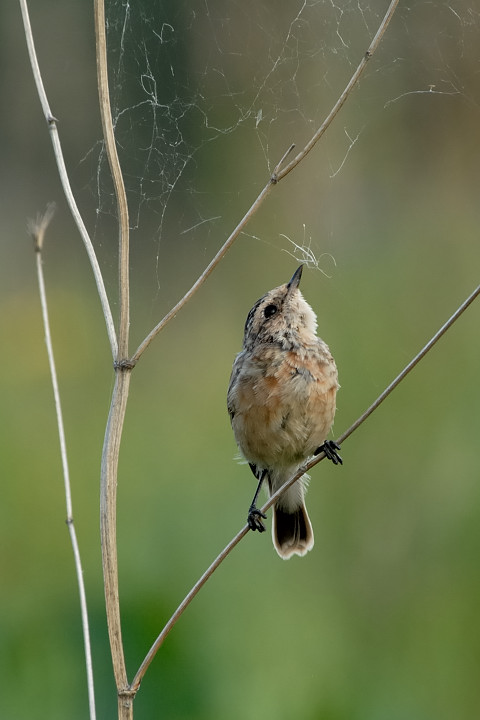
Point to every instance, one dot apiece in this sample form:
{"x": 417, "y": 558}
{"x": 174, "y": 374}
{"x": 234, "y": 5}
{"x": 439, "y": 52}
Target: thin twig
{"x": 212, "y": 265}
{"x": 208, "y": 270}
{"x": 343, "y": 97}
{"x": 408, "y": 367}
{"x": 227, "y": 550}
{"x": 183, "y": 605}
{"x": 62, "y": 171}
{"x": 277, "y": 175}
{"x": 38, "y": 230}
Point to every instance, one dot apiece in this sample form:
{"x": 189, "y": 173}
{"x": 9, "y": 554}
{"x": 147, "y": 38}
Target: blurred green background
{"x": 380, "y": 620}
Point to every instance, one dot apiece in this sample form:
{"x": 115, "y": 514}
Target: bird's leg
{"x": 330, "y": 448}
{"x": 255, "y": 516}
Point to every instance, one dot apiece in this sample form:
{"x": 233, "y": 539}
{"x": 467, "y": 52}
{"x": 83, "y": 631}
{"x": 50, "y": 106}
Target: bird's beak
{"x": 295, "y": 281}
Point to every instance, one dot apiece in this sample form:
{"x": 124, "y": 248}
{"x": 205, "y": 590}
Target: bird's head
{"x": 282, "y": 316}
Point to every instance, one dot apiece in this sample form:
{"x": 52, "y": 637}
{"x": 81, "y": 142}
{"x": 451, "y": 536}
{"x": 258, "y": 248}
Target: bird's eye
{"x": 270, "y": 310}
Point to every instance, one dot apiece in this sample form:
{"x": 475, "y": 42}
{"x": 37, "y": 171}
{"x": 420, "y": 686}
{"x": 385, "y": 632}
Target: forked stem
{"x": 124, "y": 364}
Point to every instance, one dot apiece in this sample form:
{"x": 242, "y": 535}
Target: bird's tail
{"x": 292, "y": 531}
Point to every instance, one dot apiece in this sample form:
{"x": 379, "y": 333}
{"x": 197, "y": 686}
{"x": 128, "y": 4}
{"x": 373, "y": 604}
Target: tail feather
{"x": 292, "y": 531}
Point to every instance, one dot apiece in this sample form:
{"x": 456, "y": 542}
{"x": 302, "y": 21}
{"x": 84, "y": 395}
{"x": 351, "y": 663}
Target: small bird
{"x": 281, "y": 401}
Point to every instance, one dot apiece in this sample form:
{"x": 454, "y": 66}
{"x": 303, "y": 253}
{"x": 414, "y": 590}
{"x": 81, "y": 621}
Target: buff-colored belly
{"x": 282, "y": 417}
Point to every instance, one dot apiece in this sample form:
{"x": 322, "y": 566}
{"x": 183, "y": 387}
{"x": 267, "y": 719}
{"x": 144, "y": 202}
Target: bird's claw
{"x": 254, "y": 519}
{"x": 330, "y": 448}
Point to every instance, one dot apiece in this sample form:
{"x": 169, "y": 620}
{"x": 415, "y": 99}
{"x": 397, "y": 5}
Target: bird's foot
{"x": 254, "y": 519}
{"x": 330, "y": 448}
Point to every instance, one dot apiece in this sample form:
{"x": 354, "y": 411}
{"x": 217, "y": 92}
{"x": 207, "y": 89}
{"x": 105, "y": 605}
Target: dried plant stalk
{"x": 123, "y": 364}
{"x": 62, "y": 171}
{"x": 38, "y": 230}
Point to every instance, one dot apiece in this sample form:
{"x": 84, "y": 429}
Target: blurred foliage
{"x": 381, "y": 619}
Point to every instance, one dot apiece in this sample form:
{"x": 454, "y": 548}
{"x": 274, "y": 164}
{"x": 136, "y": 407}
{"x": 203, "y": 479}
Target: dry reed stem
{"x": 118, "y": 405}
{"x": 241, "y": 534}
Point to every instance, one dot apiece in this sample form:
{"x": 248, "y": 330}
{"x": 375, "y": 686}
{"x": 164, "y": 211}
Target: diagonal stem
{"x": 343, "y": 97}
{"x": 213, "y": 264}
{"x": 408, "y": 368}
{"x": 273, "y": 498}
{"x": 277, "y": 175}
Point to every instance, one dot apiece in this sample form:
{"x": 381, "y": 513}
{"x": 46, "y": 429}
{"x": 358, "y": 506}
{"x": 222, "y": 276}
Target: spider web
{"x": 207, "y": 95}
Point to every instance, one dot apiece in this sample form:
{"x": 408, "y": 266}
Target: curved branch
{"x": 62, "y": 171}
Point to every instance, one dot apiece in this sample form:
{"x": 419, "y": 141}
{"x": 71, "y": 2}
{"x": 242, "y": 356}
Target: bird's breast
{"x": 284, "y": 404}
